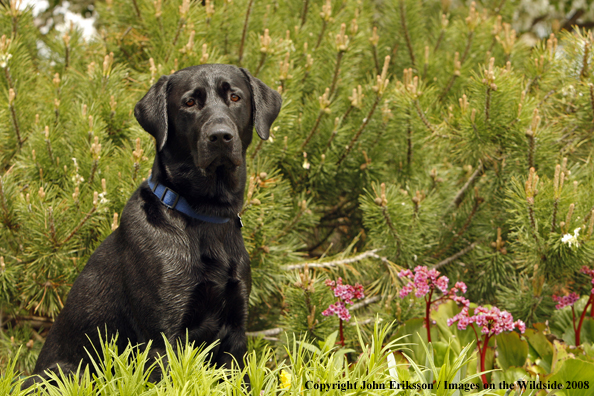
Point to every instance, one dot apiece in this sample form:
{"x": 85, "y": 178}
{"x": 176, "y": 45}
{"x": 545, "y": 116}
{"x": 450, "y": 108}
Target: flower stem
{"x": 483, "y": 356}
{"x": 341, "y": 332}
{"x": 427, "y": 313}
{"x": 482, "y": 351}
{"x": 579, "y": 328}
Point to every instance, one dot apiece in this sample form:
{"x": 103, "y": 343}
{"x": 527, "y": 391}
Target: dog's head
{"x": 202, "y": 118}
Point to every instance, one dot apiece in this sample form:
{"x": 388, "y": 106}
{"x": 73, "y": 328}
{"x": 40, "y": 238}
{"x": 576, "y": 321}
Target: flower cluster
{"x": 566, "y": 301}
{"x": 424, "y": 280}
{"x": 571, "y": 240}
{"x": 491, "y": 320}
{"x": 589, "y": 272}
{"x": 346, "y": 294}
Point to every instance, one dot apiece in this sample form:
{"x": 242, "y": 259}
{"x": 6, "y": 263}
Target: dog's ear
{"x": 266, "y": 104}
{"x": 151, "y": 112}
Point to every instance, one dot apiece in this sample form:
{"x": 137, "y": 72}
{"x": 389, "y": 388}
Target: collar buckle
{"x": 164, "y": 197}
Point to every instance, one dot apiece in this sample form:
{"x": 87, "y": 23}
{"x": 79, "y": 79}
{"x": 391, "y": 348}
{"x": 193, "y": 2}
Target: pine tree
{"x": 412, "y": 133}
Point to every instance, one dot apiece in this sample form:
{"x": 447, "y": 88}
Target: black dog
{"x": 177, "y": 264}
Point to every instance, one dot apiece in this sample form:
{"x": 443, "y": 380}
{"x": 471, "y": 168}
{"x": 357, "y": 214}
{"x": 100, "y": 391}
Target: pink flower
{"x": 462, "y": 318}
{"x": 520, "y": 325}
{"x": 460, "y": 286}
{"x": 424, "y": 280}
{"x": 345, "y": 294}
{"x": 338, "y": 309}
{"x": 566, "y": 301}
{"x": 460, "y": 300}
{"x": 492, "y": 321}
{"x": 442, "y": 284}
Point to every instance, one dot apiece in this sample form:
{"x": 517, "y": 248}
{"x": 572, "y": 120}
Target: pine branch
{"x": 3, "y": 201}
{"x": 406, "y": 34}
{"x": 376, "y": 60}
{"x": 497, "y": 10}
{"x": 554, "y": 220}
{"x": 423, "y": 116}
{"x": 591, "y": 86}
{"x": 15, "y": 124}
{"x": 460, "y": 195}
{"x": 456, "y": 73}
{"x": 477, "y": 202}
{"x": 262, "y": 60}
{"x": 531, "y": 148}
{"x": 488, "y": 104}
{"x": 336, "y": 72}
{"x": 409, "y": 152}
{"x": 313, "y": 129}
{"x": 11, "y": 101}
{"x": 135, "y": 2}
{"x": 456, "y": 256}
{"x": 363, "y": 322}
{"x": 324, "y": 23}
{"x": 78, "y": 227}
{"x": 244, "y": 32}
{"x": 553, "y": 91}
{"x": 584, "y": 73}
{"x": 264, "y": 333}
{"x": 258, "y": 148}
{"x": 364, "y": 303}
{"x": 292, "y": 224}
{"x": 304, "y": 12}
{"x": 180, "y": 26}
{"x": 449, "y": 86}
{"x": 392, "y": 229}
{"x": 334, "y": 263}
{"x": 358, "y": 134}
{"x": 439, "y": 40}
{"x": 468, "y": 45}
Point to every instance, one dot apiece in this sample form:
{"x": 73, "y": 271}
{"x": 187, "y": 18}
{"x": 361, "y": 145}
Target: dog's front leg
{"x": 158, "y": 361}
{"x": 232, "y": 351}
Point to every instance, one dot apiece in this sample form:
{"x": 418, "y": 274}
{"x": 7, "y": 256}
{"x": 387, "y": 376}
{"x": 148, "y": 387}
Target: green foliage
{"x": 412, "y": 133}
{"x": 512, "y": 351}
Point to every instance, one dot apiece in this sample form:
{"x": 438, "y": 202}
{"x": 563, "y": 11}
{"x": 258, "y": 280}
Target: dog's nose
{"x": 220, "y": 136}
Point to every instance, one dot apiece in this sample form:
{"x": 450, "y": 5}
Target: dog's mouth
{"x": 222, "y": 162}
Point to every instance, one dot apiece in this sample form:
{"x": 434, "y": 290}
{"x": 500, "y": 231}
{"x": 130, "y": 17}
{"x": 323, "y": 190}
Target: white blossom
{"x": 102, "y": 199}
{"x": 4, "y": 60}
{"x": 571, "y": 240}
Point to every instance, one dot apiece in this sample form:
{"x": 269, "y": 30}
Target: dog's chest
{"x": 209, "y": 282}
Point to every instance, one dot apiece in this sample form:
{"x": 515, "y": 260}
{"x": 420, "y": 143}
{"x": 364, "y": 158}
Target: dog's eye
{"x": 235, "y": 98}
{"x": 190, "y": 102}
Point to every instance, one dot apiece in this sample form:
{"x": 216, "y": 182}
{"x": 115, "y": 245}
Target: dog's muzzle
{"x": 219, "y": 145}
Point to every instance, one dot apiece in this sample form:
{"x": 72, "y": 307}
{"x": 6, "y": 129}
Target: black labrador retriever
{"x": 177, "y": 263}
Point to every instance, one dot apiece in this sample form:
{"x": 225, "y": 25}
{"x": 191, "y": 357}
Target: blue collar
{"x": 173, "y": 200}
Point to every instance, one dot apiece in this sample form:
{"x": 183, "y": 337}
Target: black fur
{"x": 162, "y": 272}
